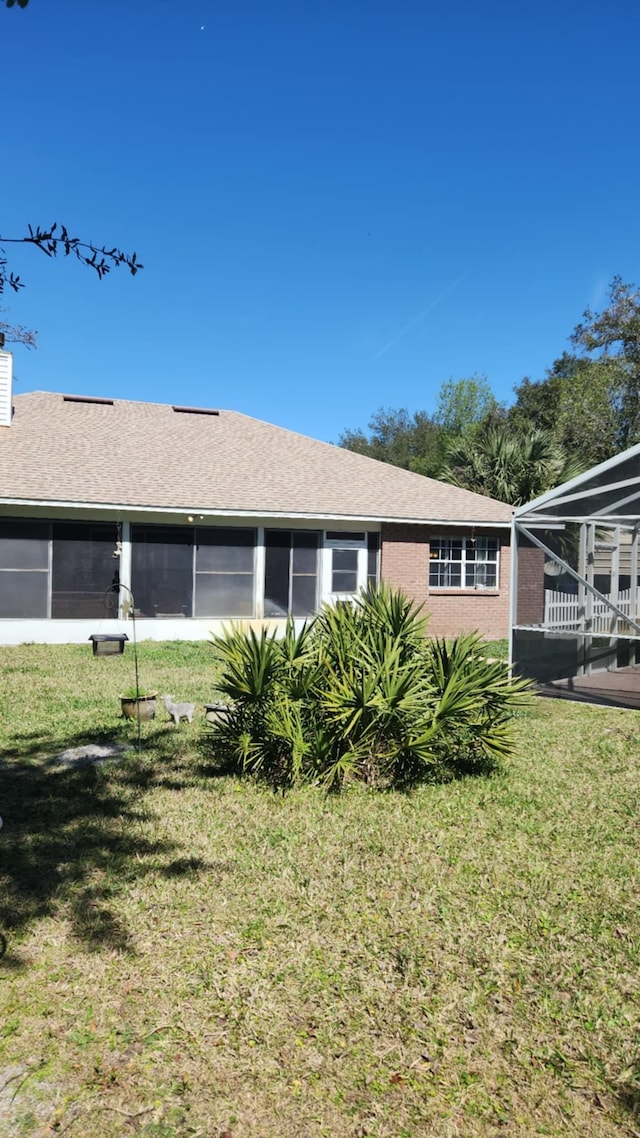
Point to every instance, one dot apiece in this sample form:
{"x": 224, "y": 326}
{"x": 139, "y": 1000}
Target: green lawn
{"x": 189, "y": 955}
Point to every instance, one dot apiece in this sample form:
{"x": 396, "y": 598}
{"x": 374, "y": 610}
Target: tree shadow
{"x": 214, "y": 760}
{"x": 73, "y": 834}
{"x": 628, "y": 1096}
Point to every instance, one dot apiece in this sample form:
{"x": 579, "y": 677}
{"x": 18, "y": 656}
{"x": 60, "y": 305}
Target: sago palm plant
{"x": 476, "y": 698}
{"x": 361, "y": 694}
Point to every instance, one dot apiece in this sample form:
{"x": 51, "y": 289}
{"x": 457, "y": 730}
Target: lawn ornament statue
{"x": 178, "y": 711}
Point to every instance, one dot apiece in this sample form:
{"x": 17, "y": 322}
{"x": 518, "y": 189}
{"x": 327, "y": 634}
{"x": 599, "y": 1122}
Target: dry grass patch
{"x": 191, "y": 955}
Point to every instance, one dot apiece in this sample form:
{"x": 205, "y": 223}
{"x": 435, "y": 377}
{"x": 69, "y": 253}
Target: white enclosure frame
{"x": 603, "y": 500}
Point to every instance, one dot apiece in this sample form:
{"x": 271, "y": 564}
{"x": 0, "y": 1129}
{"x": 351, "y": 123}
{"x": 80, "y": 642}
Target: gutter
{"x": 203, "y": 513}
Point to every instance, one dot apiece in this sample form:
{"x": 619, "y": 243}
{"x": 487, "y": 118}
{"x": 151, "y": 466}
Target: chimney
{"x": 6, "y": 388}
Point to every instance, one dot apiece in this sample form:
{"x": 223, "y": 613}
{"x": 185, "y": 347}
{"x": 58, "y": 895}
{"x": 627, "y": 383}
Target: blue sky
{"x": 339, "y": 204}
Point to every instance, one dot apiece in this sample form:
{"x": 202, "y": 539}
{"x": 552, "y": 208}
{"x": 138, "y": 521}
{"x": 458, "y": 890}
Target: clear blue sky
{"x": 339, "y": 204}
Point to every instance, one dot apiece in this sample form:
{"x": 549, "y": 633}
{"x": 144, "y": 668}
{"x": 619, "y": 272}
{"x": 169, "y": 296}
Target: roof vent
{"x": 87, "y": 399}
{"x": 195, "y": 411}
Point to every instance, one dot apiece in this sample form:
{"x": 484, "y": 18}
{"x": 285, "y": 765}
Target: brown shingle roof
{"x": 148, "y": 455}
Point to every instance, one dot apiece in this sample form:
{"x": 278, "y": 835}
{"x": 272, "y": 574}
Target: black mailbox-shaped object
{"x": 108, "y": 644}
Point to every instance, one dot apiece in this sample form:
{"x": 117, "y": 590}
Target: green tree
{"x": 589, "y": 413}
{"x": 590, "y": 397}
{"x": 537, "y": 403}
{"x": 512, "y": 466}
{"x": 413, "y": 441}
{"x": 613, "y": 335}
{"x": 464, "y": 403}
{"x": 418, "y": 441}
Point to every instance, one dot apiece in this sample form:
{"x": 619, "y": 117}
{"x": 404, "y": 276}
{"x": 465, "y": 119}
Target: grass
{"x": 189, "y": 955}
{"x": 497, "y": 649}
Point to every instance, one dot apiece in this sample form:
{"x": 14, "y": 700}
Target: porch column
{"x": 588, "y": 614}
{"x": 125, "y": 567}
{"x": 259, "y": 578}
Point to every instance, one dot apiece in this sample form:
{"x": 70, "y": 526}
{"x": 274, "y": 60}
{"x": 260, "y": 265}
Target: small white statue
{"x": 178, "y": 711}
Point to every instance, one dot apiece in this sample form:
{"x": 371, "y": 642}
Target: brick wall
{"x": 405, "y": 565}
{"x": 530, "y": 608}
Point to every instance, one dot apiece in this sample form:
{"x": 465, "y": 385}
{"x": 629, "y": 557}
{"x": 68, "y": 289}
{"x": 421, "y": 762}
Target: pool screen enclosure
{"x": 575, "y": 605}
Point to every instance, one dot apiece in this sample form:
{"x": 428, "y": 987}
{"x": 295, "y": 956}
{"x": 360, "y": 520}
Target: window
{"x": 162, "y": 570}
{"x": 463, "y": 563}
{"x": 345, "y": 547}
{"x": 65, "y": 570}
{"x": 344, "y": 571}
{"x": 177, "y": 571}
{"x": 225, "y": 561}
{"x": 24, "y": 568}
{"x": 291, "y": 572}
{"x": 339, "y": 537}
{"x": 57, "y": 569}
{"x": 83, "y": 568}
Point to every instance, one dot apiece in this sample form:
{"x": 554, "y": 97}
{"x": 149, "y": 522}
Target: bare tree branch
{"x": 18, "y": 334}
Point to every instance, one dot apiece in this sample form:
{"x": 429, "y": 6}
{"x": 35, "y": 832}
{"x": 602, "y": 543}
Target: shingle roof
{"x": 147, "y": 455}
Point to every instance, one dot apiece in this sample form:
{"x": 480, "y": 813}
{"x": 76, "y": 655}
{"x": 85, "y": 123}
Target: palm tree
{"x": 511, "y": 466}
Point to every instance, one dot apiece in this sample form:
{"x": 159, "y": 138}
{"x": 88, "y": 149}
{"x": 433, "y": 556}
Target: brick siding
{"x": 530, "y": 607}
{"x": 405, "y": 565}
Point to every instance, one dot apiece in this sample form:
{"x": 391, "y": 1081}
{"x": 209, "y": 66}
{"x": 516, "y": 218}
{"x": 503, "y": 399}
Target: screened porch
{"x": 575, "y": 595}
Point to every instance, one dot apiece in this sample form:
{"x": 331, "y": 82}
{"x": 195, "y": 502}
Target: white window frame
{"x": 466, "y": 564}
{"x": 339, "y": 543}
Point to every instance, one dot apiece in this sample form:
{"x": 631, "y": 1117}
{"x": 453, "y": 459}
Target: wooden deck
{"x": 616, "y": 688}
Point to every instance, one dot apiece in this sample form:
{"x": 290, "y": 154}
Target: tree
{"x": 57, "y": 240}
{"x": 17, "y": 334}
{"x": 418, "y": 441}
{"x": 414, "y": 442}
{"x": 20, "y": 3}
{"x": 614, "y": 335}
{"x": 54, "y": 241}
{"x": 590, "y": 411}
{"x": 509, "y": 465}
{"x": 464, "y": 403}
{"x": 537, "y": 403}
{"x": 590, "y": 398}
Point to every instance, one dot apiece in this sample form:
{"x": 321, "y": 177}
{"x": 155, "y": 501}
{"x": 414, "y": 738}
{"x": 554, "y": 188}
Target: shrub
{"x": 359, "y": 693}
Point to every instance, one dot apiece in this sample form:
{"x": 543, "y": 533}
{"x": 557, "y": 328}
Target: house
{"x": 207, "y": 516}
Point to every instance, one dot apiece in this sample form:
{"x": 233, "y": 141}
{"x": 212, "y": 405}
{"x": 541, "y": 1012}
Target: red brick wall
{"x": 405, "y": 565}
{"x": 530, "y": 609}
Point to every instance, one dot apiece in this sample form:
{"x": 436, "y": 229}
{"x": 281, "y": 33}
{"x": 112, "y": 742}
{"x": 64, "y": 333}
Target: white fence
{"x": 564, "y": 610}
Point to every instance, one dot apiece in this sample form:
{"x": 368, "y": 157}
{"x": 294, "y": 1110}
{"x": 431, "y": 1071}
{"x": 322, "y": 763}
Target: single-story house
{"x": 205, "y": 516}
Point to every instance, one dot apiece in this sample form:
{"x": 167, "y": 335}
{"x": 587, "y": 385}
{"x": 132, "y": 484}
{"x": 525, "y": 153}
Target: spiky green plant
{"x": 250, "y": 664}
{"x": 476, "y": 699}
{"x": 361, "y": 694}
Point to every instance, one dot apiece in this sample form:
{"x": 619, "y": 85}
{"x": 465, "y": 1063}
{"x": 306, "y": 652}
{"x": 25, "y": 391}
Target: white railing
{"x": 565, "y": 611}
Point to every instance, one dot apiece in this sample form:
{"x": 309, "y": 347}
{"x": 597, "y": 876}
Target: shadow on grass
{"x": 629, "y": 1098}
{"x": 73, "y": 835}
